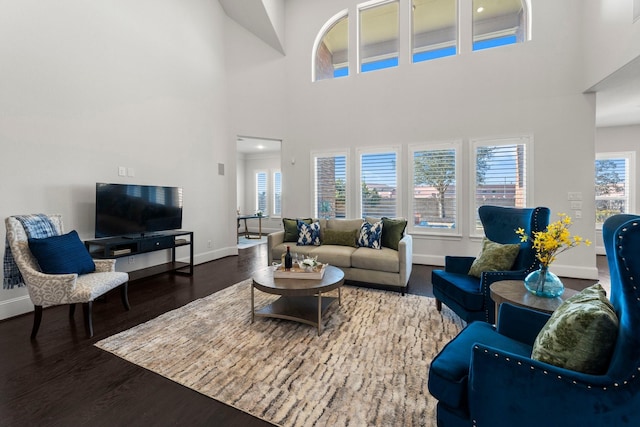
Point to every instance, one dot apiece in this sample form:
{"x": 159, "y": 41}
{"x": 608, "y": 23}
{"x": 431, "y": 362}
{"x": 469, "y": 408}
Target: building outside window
{"x": 434, "y": 32}
{"x": 330, "y": 186}
{"x": 379, "y": 33}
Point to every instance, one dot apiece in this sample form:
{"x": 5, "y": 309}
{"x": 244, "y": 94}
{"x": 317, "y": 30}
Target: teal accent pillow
{"x": 392, "y": 232}
{"x": 494, "y": 257}
{"x": 581, "y": 334}
{"x": 370, "y": 235}
{"x": 63, "y": 254}
{"x": 308, "y": 234}
{"x": 340, "y": 238}
{"x": 291, "y": 228}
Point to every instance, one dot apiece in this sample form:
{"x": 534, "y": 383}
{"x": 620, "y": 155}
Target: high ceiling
{"x": 617, "y": 97}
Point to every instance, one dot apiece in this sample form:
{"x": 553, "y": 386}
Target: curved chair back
{"x": 500, "y": 223}
{"x": 621, "y": 235}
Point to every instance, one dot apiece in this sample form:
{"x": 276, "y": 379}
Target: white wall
{"x": 522, "y": 89}
{"x": 86, "y": 87}
{"x": 611, "y": 38}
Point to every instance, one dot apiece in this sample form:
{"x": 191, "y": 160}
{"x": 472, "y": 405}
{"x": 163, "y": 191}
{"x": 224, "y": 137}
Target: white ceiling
{"x": 248, "y": 145}
{"x": 618, "y": 97}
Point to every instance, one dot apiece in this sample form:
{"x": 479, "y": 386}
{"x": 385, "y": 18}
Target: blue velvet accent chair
{"x": 485, "y": 376}
{"x": 468, "y": 296}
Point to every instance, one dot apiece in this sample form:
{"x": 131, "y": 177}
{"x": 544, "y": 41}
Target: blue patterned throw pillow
{"x": 370, "y": 235}
{"x": 308, "y": 234}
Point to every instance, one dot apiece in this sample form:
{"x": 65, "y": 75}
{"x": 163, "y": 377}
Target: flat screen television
{"x": 128, "y": 210}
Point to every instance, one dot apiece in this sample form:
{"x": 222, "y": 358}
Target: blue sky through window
{"x": 341, "y": 72}
{"x": 378, "y": 65}
{"x": 434, "y": 54}
{"x": 498, "y": 41}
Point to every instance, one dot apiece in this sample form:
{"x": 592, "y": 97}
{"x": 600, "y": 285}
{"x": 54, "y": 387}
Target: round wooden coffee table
{"x": 300, "y": 300}
{"x": 514, "y": 292}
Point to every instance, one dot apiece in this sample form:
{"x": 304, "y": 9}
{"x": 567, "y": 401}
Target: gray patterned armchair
{"x": 47, "y": 290}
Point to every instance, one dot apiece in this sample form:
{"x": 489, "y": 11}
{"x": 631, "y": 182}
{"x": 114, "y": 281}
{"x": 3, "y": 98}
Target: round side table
{"x": 514, "y": 292}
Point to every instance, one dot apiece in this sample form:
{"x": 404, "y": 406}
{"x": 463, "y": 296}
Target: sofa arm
{"x": 273, "y": 239}
{"x": 458, "y": 264}
{"x": 405, "y": 255}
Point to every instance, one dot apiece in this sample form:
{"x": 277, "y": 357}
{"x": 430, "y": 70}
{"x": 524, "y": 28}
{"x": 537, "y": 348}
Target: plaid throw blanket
{"x": 37, "y": 226}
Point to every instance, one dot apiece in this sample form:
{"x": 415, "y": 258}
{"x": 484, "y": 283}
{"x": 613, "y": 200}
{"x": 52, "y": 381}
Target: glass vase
{"x": 544, "y": 283}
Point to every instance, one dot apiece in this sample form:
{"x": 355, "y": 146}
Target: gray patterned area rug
{"x": 369, "y": 366}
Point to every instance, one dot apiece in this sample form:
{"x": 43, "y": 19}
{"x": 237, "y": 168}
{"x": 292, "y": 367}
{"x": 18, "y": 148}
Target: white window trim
{"x": 320, "y": 36}
{"x": 369, "y": 5}
{"x": 272, "y": 178}
{"x": 349, "y": 178}
{"x": 441, "y": 145}
{"x": 631, "y": 191}
{"x": 358, "y": 174}
{"x": 527, "y": 140}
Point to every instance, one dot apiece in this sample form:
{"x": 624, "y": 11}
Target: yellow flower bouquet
{"x": 548, "y": 244}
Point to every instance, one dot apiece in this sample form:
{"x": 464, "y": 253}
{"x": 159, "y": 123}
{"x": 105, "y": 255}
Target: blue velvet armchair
{"x": 486, "y": 377}
{"x": 468, "y": 296}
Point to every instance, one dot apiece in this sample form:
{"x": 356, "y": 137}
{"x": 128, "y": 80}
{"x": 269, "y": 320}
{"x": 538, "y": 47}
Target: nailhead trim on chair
{"x": 615, "y": 385}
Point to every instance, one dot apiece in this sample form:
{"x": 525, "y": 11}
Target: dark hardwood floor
{"x": 61, "y": 379}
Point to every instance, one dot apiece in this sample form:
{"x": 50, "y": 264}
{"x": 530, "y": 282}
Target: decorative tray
{"x": 298, "y": 273}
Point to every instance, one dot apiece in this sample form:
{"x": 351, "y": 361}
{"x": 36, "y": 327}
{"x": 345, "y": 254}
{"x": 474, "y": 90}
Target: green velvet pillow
{"x": 580, "y": 334}
{"x": 392, "y": 232}
{"x": 291, "y": 228}
{"x": 340, "y": 238}
{"x": 494, "y": 257}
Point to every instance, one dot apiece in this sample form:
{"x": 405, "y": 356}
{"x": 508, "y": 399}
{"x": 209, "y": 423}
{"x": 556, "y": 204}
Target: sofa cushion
{"x": 291, "y": 228}
{"x": 344, "y": 224}
{"x": 308, "y": 234}
{"x": 392, "y": 231}
{"x": 494, "y": 257}
{"x": 340, "y": 238}
{"x": 580, "y": 334}
{"x": 449, "y": 371}
{"x": 465, "y": 292}
{"x": 370, "y": 235}
{"x": 384, "y": 259}
{"x": 63, "y": 254}
{"x": 339, "y": 256}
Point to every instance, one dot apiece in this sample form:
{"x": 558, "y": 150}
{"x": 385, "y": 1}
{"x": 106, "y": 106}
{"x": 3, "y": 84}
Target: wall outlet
{"x": 131, "y": 259}
{"x": 209, "y": 244}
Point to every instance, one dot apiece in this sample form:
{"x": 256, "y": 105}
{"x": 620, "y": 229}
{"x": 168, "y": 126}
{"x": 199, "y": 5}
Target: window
{"x": 379, "y": 33}
{"x": 434, "y": 30}
{"x": 498, "y": 23}
{"x": 330, "y": 186}
{"x": 261, "y": 191}
{"x": 379, "y": 184}
{"x": 331, "y": 49}
{"x": 500, "y": 173}
{"x": 434, "y": 175}
{"x": 277, "y": 194}
{"x": 614, "y": 178}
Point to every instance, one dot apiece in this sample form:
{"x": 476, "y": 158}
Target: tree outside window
{"x": 612, "y": 187}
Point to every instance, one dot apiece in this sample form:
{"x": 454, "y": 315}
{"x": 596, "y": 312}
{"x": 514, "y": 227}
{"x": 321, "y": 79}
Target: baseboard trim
{"x": 15, "y": 307}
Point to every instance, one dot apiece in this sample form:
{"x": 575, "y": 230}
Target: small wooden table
{"x": 246, "y": 229}
{"x": 300, "y": 300}
{"x": 514, "y": 292}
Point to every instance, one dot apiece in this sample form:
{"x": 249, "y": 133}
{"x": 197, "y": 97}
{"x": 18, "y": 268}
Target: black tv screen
{"x": 134, "y": 210}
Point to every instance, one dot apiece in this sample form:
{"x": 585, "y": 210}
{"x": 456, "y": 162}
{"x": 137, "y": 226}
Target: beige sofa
{"x": 383, "y": 266}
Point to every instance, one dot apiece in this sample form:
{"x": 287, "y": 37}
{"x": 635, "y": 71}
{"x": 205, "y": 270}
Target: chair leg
{"x": 37, "y": 318}
{"x": 72, "y": 310}
{"x": 124, "y": 288}
{"x": 438, "y": 305}
{"x": 88, "y": 325}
